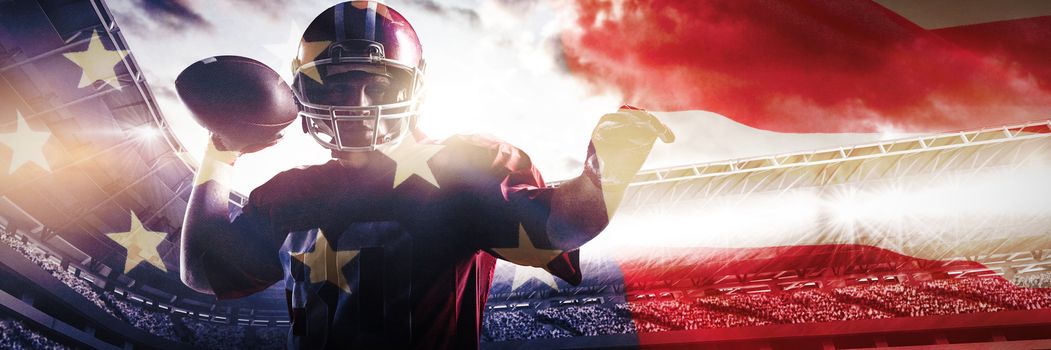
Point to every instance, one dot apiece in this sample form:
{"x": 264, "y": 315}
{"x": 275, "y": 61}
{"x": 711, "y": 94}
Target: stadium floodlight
{"x": 846, "y": 208}
{"x": 725, "y": 221}
{"x": 146, "y": 133}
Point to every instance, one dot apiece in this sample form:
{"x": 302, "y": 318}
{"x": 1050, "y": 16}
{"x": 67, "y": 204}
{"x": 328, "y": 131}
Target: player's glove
{"x": 623, "y": 141}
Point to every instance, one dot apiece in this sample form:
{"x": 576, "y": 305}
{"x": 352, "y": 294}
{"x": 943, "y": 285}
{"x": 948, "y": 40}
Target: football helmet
{"x": 363, "y": 38}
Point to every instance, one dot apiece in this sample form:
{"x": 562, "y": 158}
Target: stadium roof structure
{"x": 928, "y": 146}
{"x": 110, "y": 159}
{"x": 801, "y": 197}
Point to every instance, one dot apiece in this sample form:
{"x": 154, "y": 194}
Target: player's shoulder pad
{"x": 295, "y": 184}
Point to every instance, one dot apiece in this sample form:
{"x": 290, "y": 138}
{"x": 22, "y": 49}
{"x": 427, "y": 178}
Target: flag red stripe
{"x": 813, "y": 66}
{"x": 641, "y": 265}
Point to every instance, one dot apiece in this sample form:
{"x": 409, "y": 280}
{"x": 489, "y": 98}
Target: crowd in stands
{"x": 675, "y": 314}
{"x": 212, "y": 335}
{"x": 995, "y": 291}
{"x": 823, "y": 307}
{"x": 1030, "y": 291}
{"x": 908, "y": 300}
{"x": 199, "y": 333}
{"x": 1033, "y": 280}
{"x": 644, "y": 322}
{"x": 588, "y": 319}
{"x": 159, "y": 322}
{"x": 52, "y": 265}
{"x": 156, "y": 323}
{"x": 857, "y": 302}
{"x": 14, "y": 334}
{"x": 269, "y": 337}
{"x": 517, "y": 325}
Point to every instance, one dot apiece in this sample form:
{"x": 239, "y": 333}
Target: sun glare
{"x": 926, "y": 216}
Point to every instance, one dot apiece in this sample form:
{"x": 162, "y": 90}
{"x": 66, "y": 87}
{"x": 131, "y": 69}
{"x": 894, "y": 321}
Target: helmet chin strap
{"x": 351, "y": 159}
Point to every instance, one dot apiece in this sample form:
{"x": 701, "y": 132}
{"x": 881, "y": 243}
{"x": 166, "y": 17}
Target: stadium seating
{"x": 14, "y": 334}
{"x": 857, "y": 302}
{"x": 993, "y": 291}
{"x": 517, "y": 325}
{"x": 159, "y": 322}
{"x": 599, "y": 316}
{"x": 1033, "y": 280}
{"x": 51, "y": 265}
{"x": 589, "y": 319}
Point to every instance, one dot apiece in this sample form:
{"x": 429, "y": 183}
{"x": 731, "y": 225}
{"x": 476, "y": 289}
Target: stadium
{"x": 948, "y": 248}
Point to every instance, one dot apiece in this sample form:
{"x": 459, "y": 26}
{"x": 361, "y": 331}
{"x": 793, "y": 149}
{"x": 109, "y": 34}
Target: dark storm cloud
{"x": 272, "y": 8}
{"x": 173, "y": 14}
{"x": 518, "y": 6}
{"x": 445, "y": 11}
{"x": 556, "y": 48}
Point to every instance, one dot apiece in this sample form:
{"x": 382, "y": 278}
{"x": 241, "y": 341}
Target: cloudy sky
{"x": 493, "y": 67}
{"x": 539, "y": 73}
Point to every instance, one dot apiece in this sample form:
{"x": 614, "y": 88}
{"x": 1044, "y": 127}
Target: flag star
{"x": 97, "y": 63}
{"x": 26, "y": 145}
{"x": 526, "y": 253}
{"x": 141, "y": 244}
{"x": 215, "y": 166}
{"x": 525, "y": 273}
{"x": 309, "y": 51}
{"x": 286, "y": 50}
{"x": 411, "y": 158}
{"x": 325, "y": 263}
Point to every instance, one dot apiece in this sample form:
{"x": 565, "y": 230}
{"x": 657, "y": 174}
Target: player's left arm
{"x": 620, "y": 144}
{"x": 528, "y": 223}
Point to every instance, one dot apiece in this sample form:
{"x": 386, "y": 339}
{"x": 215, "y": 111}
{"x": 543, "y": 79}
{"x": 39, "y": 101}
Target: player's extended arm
{"x": 244, "y": 104}
{"x": 207, "y": 216}
{"x": 620, "y": 144}
{"x": 217, "y": 255}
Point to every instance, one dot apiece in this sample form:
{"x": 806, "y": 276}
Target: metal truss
{"x": 928, "y": 155}
{"x": 74, "y": 41}
{"x": 106, "y": 18}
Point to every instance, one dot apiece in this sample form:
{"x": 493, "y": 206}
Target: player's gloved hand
{"x": 623, "y": 141}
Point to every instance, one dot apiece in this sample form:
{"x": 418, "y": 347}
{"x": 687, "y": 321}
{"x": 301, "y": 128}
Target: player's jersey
{"x": 400, "y": 252}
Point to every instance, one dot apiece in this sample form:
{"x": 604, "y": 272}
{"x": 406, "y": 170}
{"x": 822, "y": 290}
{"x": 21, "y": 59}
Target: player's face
{"x": 356, "y": 89}
{"x": 359, "y": 89}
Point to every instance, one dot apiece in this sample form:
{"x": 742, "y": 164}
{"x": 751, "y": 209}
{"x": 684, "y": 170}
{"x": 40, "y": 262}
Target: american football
{"x": 240, "y": 99}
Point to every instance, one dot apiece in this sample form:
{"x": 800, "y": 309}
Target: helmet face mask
{"x": 357, "y": 101}
{"x": 362, "y": 91}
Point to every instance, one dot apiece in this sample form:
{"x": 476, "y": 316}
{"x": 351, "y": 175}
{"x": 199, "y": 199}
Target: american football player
{"x": 393, "y": 242}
